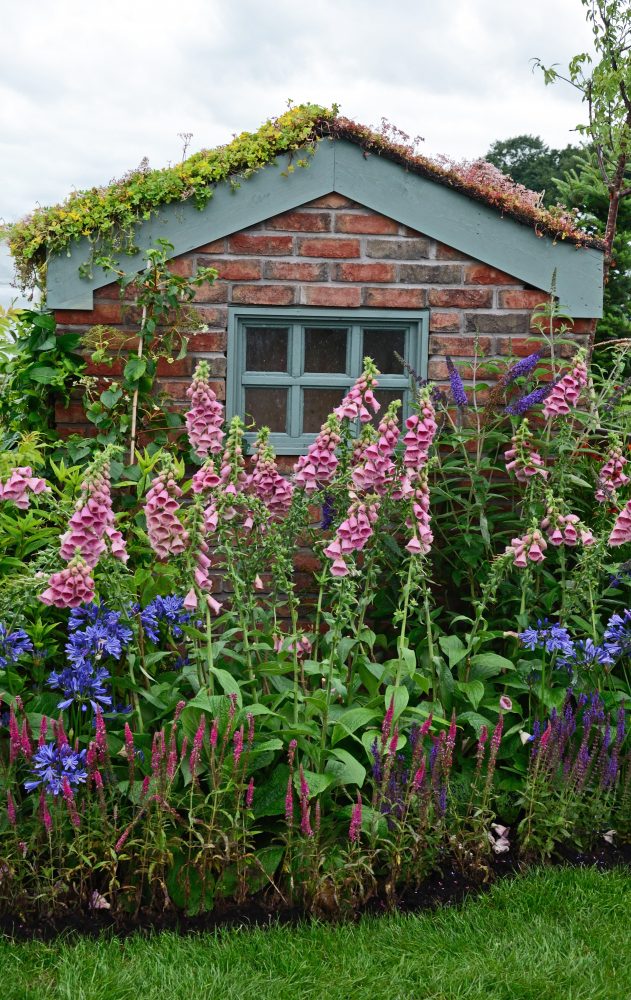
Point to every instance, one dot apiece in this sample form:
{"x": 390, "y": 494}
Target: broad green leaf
{"x": 401, "y": 697}
{"x": 135, "y": 369}
{"x": 485, "y": 665}
{"x": 317, "y": 783}
{"x": 352, "y": 720}
{"x": 475, "y": 720}
{"x": 453, "y": 647}
{"x": 345, "y": 768}
{"x": 472, "y": 690}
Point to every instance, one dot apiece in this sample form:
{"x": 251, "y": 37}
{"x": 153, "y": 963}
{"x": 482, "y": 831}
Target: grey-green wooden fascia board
{"x": 461, "y": 222}
{"x": 283, "y": 443}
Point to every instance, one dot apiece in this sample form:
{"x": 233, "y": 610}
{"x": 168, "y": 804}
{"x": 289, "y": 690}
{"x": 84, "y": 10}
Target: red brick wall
{"x": 333, "y": 252}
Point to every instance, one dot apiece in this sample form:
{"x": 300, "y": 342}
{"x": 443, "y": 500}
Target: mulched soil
{"x": 447, "y": 887}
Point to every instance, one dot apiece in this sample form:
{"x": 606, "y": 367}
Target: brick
{"x": 496, "y": 322}
{"x": 83, "y": 430}
{"x": 212, "y": 317}
{"x": 104, "y": 369}
{"x": 217, "y": 246}
{"x": 307, "y": 562}
{"x": 264, "y": 295}
{"x": 437, "y": 369}
{"x": 444, "y": 252}
{"x": 481, "y": 274}
{"x": 521, "y": 299}
{"x": 281, "y": 270}
{"x": 521, "y": 347}
{"x": 332, "y": 200}
{"x": 182, "y": 266}
{"x": 430, "y": 274}
{"x": 104, "y": 313}
{"x": 461, "y": 298}
{"x": 329, "y": 295}
{"x": 462, "y": 347}
{"x": 394, "y": 298}
{"x": 363, "y": 222}
{"x": 176, "y": 390}
{"x": 449, "y": 322}
{"x": 214, "y": 340}
{"x": 217, "y": 292}
{"x": 301, "y": 222}
{"x": 328, "y": 248}
{"x": 233, "y": 270}
{"x": 70, "y": 414}
{"x": 113, "y": 291}
{"x": 364, "y": 272}
{"x": 265, "y": 246}
{"x": 184, "y": 366}
{"x": 401, "y": 249}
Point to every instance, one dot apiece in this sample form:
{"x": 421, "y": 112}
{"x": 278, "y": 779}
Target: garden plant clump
{"x": 222, "y": 684}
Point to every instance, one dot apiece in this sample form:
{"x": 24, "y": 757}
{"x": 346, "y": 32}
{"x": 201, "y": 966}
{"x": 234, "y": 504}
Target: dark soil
{"x": 445, "y": 887}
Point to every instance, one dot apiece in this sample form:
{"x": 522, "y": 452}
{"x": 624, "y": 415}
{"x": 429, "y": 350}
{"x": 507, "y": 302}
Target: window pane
{"x": 267, "y": 408}
{"x": 380, "y": 345}
{"x": 325, "y": 349}
{"x": 266, "y": 349}
{"x": 317, "y": 404}
{"x": 384, "y": 397}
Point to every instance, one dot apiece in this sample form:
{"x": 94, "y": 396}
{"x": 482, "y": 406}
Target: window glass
{"x": 317, "y": 404}
{"x": 325, "y": 349}
{"x": 384, "y": 398}
{"x": 380, "y": 345}
{"x": 267, "y": 408}
{"x": 266, "y": 349}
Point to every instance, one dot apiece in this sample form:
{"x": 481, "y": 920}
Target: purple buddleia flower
{"x": 457, "y": 388}
{"x": 13, "y": 645}
{"x": 328, "y": 512}
{"x": 521, "y": 406}
{"x": 522, "y": 368}
{"x": 53, "y": 764}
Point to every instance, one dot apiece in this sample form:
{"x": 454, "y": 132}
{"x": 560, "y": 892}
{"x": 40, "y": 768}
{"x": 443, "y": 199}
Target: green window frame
{"x": 413, "y": 324}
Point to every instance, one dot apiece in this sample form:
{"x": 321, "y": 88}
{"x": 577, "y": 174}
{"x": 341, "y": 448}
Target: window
{"x": 289, "y": 368}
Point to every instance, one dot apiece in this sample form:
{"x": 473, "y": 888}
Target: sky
{"x": 87, "y": 90}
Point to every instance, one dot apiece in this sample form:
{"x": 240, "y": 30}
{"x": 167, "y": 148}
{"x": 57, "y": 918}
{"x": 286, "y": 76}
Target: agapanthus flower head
{"x": 522, "y": 458}
{"x": 617, "y": 637}
{"x": 96, "y": 633}
{"x": 458, "y": 393}
{"x": 585, "y": 655}
{"x": 70, "y": 587}
{"x": 566, "y": 392}
{"x": 522, "y": 368}
{"x": 168, "y": 611}
{"x": 611, "y": 476}
{"x": 317, "y": 468}
{"x": 19, "y": 484}
{"x": 13, "y": 645}
{"x": 553, "y": 638}
{"x": 167, "y": 535}
{"x": 205, "y": 418}
{"x": 360, "y": 400}
{"x": 81, "y": 686}
{"x": 53, "y": 764}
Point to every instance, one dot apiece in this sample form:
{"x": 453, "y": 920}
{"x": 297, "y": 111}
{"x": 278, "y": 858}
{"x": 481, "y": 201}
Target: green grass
{"x": 551, "y": 935}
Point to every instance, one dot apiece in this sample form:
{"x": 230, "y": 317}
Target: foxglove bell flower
{"x": 352, "y": 535}
{"x": 93, "y": 520}
{"x": 265, "y": 481}
{"x": 530, "y": 546}
{"x": 621, "y": 532}
{"x": 375, "y": 469}
{"x": 317, "y": 468}
{"x": 70, "y": 587}
{"x": 167, "y": 535}
{"x": 611, "y": 476}
{"x": 20, "y": 483}
{"x": 567, "y": 390}
{"x": 360, "y": 400}
{"x": 522, "y": 458}
{"x": 205, "y": 418}
{"x": 566, "y": 529}
{"x": 421, "y": 429}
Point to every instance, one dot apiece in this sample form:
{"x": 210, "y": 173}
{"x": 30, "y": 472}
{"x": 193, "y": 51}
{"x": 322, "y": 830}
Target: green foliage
{"x": 37, "y": 366}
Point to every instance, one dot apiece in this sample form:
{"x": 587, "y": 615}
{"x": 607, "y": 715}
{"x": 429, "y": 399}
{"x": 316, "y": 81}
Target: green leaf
{"x": 110, "y": 398}
{"x": 401, "y": 696}
{"x": 318, "y": 783}
{"x": 485, "y": 665}
{"x": 472, "y": 690}
{"x": 228, "y": 683}
{"x": 269, "y": 798}
{"x": 44, "y": 375}
{"x": 345, "y": 768}
{"x": 453, "y": 647}
{"x": 351, "y": 720}
{"x": 475, "y": 720}
{"x": 135, "y": 369}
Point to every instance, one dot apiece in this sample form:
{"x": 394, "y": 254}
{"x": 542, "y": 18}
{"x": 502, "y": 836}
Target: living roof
{"x": 107, "y": 216}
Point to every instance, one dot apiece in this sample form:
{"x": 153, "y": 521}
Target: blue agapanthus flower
{"x": 96, "y": 632}
{"x": 82, "y": 686}
{"x": 585, "y": 655}
{"x": 617, "y": 637}
{"x": 52, "y": 763}
{"x": 169, "y": 611}
{"x": 13, "y": 645}
{"x": 553, "y": 638}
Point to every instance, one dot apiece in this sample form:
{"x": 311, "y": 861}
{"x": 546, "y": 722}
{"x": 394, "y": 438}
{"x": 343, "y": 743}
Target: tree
{"x": 528, "y": 160}
{"x": 605, "y": 86}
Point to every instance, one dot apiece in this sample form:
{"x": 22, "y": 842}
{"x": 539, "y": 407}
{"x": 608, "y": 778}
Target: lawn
{"x": 557, "y": 934}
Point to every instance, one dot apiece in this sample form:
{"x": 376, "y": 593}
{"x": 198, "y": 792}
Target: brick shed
{"x": 362, "y": 252}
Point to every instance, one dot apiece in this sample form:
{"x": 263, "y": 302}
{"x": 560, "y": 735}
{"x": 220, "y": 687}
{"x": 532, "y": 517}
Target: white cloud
{"x": 87, "y": 90}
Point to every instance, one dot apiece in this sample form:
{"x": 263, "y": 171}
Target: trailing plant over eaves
{"x": 107, "y": 216}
